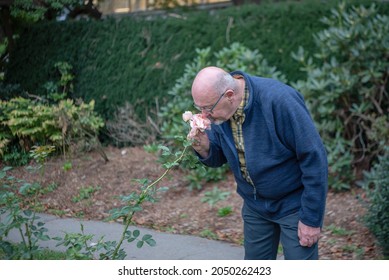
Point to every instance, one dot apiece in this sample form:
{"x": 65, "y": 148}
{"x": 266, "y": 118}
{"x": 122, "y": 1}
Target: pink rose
{"x": 187, "y": 116}
{"x": 200, "y": 122}
{"x": 197, "y": 122}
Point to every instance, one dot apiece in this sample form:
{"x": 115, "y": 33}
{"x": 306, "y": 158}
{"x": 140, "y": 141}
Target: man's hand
{"x": 200, "y": 143}
{"x": 308, "y": 235}
{"x": 198, "y": 123}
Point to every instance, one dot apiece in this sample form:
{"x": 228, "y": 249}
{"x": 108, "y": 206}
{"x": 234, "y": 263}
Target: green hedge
{"x": 138, "y": 59}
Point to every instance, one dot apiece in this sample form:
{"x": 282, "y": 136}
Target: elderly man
{"x": 263, "y": 130}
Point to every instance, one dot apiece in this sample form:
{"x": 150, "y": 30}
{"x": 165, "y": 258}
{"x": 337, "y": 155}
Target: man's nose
{"x": 205, "y": 113}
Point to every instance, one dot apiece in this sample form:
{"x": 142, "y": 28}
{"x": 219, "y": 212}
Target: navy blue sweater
{"x": 284, "y": 153}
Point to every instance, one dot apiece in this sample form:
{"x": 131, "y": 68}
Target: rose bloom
{"x": 187, "y": 116}
{"x": 197, "y": 122}
{"x": 200, "y": 122}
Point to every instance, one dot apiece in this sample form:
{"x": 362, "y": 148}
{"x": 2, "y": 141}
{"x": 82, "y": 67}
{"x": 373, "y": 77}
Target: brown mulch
{"x": 180, "y": 210}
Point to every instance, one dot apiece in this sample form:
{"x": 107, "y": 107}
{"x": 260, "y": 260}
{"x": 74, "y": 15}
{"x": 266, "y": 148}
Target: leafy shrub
{"x": 376, "y": 184}
{"x": 48, "y": 120}
{"x": 15, "y": 156}
{"x": 347, "y": 89}
{"x": 33, "y": 122}
{"x": 234, "y": 57}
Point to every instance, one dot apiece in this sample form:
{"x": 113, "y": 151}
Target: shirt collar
{"x": 240, "y": 111}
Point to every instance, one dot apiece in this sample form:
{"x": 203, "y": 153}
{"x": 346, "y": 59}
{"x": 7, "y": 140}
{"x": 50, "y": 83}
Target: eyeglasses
{"x": 213, "y": 107}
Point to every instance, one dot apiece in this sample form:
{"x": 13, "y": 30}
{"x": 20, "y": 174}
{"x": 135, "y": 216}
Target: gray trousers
{"x": 262, "y": 237}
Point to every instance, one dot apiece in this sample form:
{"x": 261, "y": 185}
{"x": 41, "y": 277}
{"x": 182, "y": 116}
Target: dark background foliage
{"x": 138, "y": 58}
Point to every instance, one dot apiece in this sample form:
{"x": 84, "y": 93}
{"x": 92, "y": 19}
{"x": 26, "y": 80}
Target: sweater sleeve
{"x": 216, "y": 156}
{"x": 297, "y": 130}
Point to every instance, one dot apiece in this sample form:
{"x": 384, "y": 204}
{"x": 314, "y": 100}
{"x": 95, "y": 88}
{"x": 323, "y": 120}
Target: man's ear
{"x": 229, "y": 93}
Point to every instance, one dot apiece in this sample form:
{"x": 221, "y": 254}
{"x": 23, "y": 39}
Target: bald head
{"x": 210, "y": 82}
{"x": 213, "y": 87}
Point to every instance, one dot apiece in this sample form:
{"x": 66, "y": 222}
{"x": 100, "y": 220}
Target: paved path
{"x": 169, "y": 246}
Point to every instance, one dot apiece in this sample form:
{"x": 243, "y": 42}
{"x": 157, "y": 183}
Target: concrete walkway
{"x": 169, "y": 246}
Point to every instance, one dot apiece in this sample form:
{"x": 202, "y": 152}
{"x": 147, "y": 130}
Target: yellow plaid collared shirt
{"x": 236, "y": 122}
